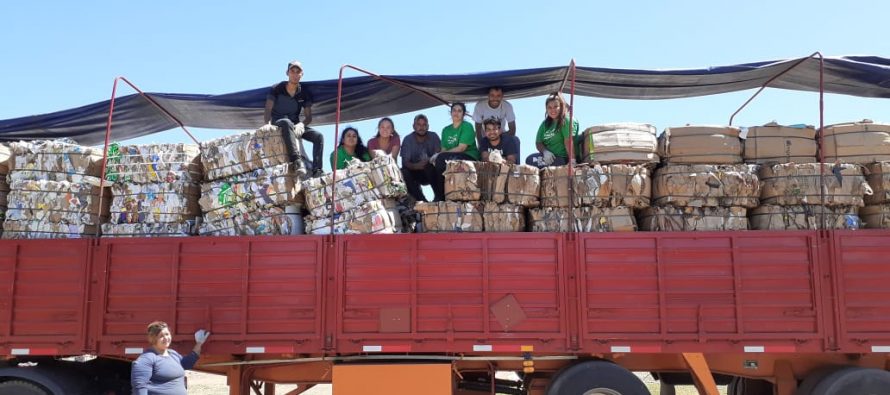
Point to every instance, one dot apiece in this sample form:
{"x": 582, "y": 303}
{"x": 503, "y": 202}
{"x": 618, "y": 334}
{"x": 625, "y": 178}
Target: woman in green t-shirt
{"x": 351, "y": 146}
{"x": 458, "y": 142}
{"x": 554, "y": 140}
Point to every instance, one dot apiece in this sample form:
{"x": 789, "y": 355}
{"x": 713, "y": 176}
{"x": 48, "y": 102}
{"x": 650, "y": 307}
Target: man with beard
{"x": 417, "y": 149}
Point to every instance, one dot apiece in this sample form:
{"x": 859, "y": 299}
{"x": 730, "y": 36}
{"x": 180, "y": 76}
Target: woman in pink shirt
{"x": 386, "y": 140}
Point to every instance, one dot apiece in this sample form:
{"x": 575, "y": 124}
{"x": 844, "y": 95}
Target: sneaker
{"x": 317, "y": 173}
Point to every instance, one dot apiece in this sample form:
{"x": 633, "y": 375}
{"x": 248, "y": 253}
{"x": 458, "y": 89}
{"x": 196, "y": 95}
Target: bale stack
{"x": 5, "y": 154}
{"x": 498, "y": 192}
{"x": 714, "y": 145}
{"x": 633, "y": 143}
{"x": 55, "y": 191}
{"x": 155, "y": 190}
{"x": 365, "y": 195}
{"x": 448, "y": 216}
{"x": 773, "y": 143}
{"x": 863, "y": 143}
{"x": 876, "y": 213}
{"x": 810, "y": 196}
{"x": 249, "y": 187}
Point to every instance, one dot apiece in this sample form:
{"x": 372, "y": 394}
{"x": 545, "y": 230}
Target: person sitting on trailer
{"x": 553, "y": 140}
{"x": 495, "y": 140}
{"x": 495, "y": 107}
{"x": 417, "y": 169}
{"x": 458, "y": 142}
{"x": 386, "y": 140}
{"x": 350, "y": 147}
{"x": 161, "y": 370}
{"x": 284, "y": 103}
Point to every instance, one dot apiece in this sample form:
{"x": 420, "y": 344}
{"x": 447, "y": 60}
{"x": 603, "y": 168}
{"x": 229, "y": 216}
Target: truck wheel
{"x": 853, "y": 380}
{"x": 747, "y": 386}
{"x": 20, "y": 387}
{"x": 596, "y": 378}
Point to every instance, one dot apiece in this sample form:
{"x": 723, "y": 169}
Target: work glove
{"x": 433, "y": 158}
{"x": 299, "y": 128}
{"x": 548, "y": 157}
{"x": 201, "y": 336}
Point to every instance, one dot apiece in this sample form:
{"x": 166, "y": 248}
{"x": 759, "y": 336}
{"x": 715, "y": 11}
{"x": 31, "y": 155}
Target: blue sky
{"x": 58, "y": 55}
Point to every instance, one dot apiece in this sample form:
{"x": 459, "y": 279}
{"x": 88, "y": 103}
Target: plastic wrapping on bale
{"x": 157, "y": 203}
{"x": 148, "y": 230}
{"x": 262, "y": 222}
{"x": 863, "y": 142}
{"x": 612, "y": 185}
{"x": 353, "y": 188}
{"x": 155, "y": 163}
{"x": 583, "y": 219}
{"x": 700, "y": 145}
{"x": 56, "y": 202}
{"x": 773, "y": 143}
{"x": 620, "y": 143}
{"x": 707, "y": 186}
{"x": 461, "y": 181}
{"x": 804, "y": 217}
{"x": 55, "y": 161}
{"x": 875, "y": 217}
{"x": 794, "y": 184}
{"x": 450, "y": 216}
{"x": 243, "y": 153}
{"x": 523, "y": 185}
{"x": 46, "y": 230}
{"x": 259, "y": 189}
{"x": 503, "y": 217}
{"x": 370, "y": 218}
{"x": 878, "y": 178}
{"x": 683, "y": 219}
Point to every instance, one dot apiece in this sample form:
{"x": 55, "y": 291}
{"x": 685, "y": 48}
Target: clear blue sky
{"x": 62, "y": 54}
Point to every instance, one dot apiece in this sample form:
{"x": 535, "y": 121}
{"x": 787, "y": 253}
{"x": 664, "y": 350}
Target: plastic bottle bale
{"x": 183, "y": 229}
{"x": 555, "y": 186}
{"x": 862, "y": 142}
{"x": 241, "y": 153}
{"x": 262, "y": 222}
{"x": 461, "y": 181}
{"x": 276, "y": 186}
{"x": 632, "y": 143}
{"x": 503, "y": 217}
{"x": 687, "y": 219}
{"x": 612, "y": 186}
{"x": 54, "y": 160}
{"x": 878, "y": 178}
{"x": 804, "y": 217}
{"x": 793, "y": 184}
{"x": 492, "y": 180}
{"x": 700, "y": 145}
{"x": 352, "y": 189}
{"x": 583, "y": 219}
{"x": 707, "y": 186}
{"x": 774, "y": 143}
{"x": 523, "y": 185}
{"x": 450, "y": 216}
{"x": 875, "y": 217}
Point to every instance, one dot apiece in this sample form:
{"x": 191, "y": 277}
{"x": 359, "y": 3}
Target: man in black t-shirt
{"x": 284, "y": 103}
{"x": 495, "y": 140}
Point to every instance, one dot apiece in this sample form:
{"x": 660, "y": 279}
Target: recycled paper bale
{"x": 684, "y": 219}
{"x": 555, "y": 186}
{"x": 620, "y": 143}
{"x": 156, "y": 203}
{"x": 774, "y": 143}
{"x": 793, "y": 184}
{"x": 450, "y": 216}
{"x": 58, "y": 202}
{"x": 878, "y": 178}
{"x": 54, "y": 160}
{"x": 804, "y": 217}
{"x": 241, "y": 153}
{"x": 863, "y": 142}
{"x": 461, "y": 181}
{"x": 183, "y": 229}
{"x": 612, "y": 185}
{"x": 261, "y": 188}
{"x": 369, "y": 218}
{"x": 5, "y": 156}
{"x": 492, "y": 180}
{"x": 154, "y": 163}
{"x": 386, "y": 177}
{"x": 875, "y": 217}
{"x": 523, "y": 185}
{"x": 706, "y": 186}
{"x": 700, "y": 145}
{"x": 352, "y": 189}
{"x": 46, "y": 230}
{"x": 584, "y": 219}
{"x": 262, "y": 222}
{"x": 503, "y": 217}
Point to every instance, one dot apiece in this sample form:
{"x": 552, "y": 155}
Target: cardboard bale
{"x": 242, "y": 153}
{"x": 46, "y": 230}
{"x": 700, "y": 145}
{"x": 369, "y": 218}
{"x": 352, "y": 189}
{"x": 555, "y": 186}
{"x": 612, "y": 185}
{"x": 386, "y": 177}
{"x": 154, "y": 163}
{"x": 492, "y": 178}
{"x": 620, "y": 143}
{"x": 261, "y": 222}
{"x": 55, "y": 160}
{"x": 875, "y": 217}
{"x": 182, "y": 229}
{"x": 863, "y": 142}
{"x": 159, "y": 203}
{"x": 461, "y": 181}
{"x": 450, "y": 216}
{"x": 686, "y": 219}
{"x": 5, "y": 156}
{"x": 261, "y": 188}
{"x": 503, "y": 217}
{"x": 523, "y": 185}
{"x": 56, "y": 202}
{"x": 804, "y": 217}
{"x": 773, "y": 143}
{"x": 582, "y": 219}
{"x": 794, "y": 184}
{"x": 878, "y": 178}
{"x": 707, "y": 186}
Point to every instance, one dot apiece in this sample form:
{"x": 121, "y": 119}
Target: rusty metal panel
{"x": 862, "y": 280}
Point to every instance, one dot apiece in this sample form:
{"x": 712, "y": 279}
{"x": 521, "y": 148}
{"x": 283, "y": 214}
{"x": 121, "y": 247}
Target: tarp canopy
{"x": 370, "y": 97}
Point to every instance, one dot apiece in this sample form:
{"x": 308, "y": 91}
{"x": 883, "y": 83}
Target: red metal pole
{"x": 159, "y": 107}
{"x": 105, "y": 153}
{"x": 571, "y": 169}
{"x": 773, "y": 78}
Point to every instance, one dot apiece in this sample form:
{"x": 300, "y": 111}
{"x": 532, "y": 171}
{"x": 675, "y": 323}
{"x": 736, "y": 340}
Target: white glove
{"x": 201, "y": 336}
{"x": 548, "y": 157}
{"x": 299, "y": 128}
{"x": 434, "y": 157}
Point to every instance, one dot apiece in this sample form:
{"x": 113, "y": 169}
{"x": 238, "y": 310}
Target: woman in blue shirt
{"x": 161, "y": 370}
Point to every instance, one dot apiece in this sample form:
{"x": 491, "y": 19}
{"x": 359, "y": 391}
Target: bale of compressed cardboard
{"x": 242, "y": 153}
{"x": 706, "y": 186}
{"x": 700, "y": 145}
{"x": 503, "y": 217}
{"x": 461, "y": 181}
{"x": 863, "y": 142}
{"x": 633, "y": 143}
{"x": 450, "y": 216}
{"x": 260, "y": 222}
{"x": 683, "y": 219}
{"x": 774, "y": 143}
{"x": 154, "y": 163}
{"x": 369, "y": 218}
{"x": 582, "y": 219}
{"x": 54, "y": 209}
{"x": 55, "y": 160}
{"x": 276, "y": 186}
{"x": 179, "y": 229}
{"x": 828, "y": 184}
{"x": 523, "y": 185}
{"x": 357, "y": 184}
{"x": 878, "y": 178}
{"x": 612, "y": 185}
{"x": 804, "y": 217}
{"x": 876, "y": 216}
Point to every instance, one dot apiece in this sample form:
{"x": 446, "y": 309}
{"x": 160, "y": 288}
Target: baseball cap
{"x": 295, "y": 63}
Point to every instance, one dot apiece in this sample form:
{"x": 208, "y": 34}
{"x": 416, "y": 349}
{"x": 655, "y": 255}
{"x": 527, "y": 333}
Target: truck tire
{"x": 747, "y": 386}
{"x": 596, "y": 378}
{"x": 21, "y": 387}
{"x": 854, "y": 380}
